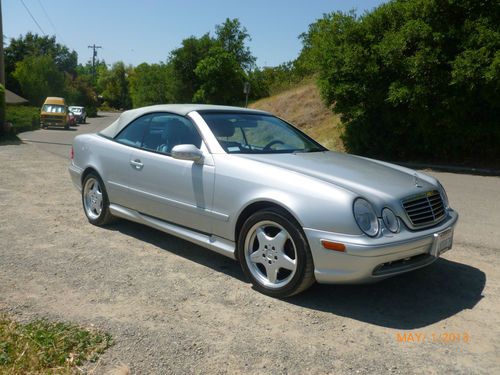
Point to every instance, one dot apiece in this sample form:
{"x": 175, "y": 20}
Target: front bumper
{"x": 53, "y": 123}
{"x": 370, "y": 259}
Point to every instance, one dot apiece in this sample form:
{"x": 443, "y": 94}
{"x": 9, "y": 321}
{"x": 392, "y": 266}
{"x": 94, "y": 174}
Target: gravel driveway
{"x": 173, "y": 307}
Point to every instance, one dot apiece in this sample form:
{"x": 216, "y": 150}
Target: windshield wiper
{"x": 304, "y": 150}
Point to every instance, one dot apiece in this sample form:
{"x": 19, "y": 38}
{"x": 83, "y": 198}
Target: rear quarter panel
{"x": 108, "y": 158}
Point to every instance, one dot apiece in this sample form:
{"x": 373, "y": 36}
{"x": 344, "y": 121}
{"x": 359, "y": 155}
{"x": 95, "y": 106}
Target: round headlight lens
{"x": 365, "y": 217}
{"x": 390, "y": 220}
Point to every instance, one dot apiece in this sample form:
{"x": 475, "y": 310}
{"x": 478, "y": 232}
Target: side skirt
{"x": 214, "y": 243}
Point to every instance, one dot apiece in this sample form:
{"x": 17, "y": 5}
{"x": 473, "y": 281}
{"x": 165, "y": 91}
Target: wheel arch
{"x": 88, "y": 170}
{"x": 259, "y": 205}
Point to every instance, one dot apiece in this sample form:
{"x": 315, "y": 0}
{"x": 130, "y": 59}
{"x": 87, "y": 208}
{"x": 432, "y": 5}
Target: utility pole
{"x": 2, "y": 66}
{"x": 2, "y": 72}
{"x": 94, "y": 55}
{"x": 246, "y": 91}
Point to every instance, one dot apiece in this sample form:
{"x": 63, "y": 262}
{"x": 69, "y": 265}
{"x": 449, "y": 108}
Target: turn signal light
{"x": 335, "y": 246}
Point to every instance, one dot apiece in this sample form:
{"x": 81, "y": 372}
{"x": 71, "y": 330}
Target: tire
{"x": 274, "y": 254}
{"x": 95, "y": 201}
{"x": 66, "y": 126}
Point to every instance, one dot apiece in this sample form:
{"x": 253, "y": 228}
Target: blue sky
{"x": 146, "y": 31}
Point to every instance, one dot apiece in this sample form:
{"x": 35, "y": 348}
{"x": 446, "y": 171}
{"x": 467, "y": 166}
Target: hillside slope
{"x": 302, "y": 106}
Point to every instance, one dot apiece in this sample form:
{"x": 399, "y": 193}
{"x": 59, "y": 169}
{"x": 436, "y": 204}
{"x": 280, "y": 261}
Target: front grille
{"x": 53, "y": 118}
{"x": 424, "y": 209}
{"x": 403, "y": 265}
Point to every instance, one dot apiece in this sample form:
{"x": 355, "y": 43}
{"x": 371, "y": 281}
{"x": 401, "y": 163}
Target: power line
{"x": 50, "y": 21}
{"x": 33, "y": 18}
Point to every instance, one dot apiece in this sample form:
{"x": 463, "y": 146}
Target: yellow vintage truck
{"x": 54, "y": 113}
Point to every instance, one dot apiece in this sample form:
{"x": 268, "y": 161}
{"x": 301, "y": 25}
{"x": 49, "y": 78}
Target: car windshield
{"x": 243, "y": 133}
{"x": 53, "y": 108}
{"x": 75, "y": 109}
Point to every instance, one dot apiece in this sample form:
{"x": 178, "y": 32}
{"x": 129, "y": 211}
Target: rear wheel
{"x": 95, "y": 200}
{"x": 274, "y": 254}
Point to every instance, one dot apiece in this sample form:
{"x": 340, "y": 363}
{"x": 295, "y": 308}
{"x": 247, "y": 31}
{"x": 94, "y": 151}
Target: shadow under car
{"x": 408, "y": 301}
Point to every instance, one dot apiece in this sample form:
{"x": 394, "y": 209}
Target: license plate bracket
{"x": 443, "y": 241}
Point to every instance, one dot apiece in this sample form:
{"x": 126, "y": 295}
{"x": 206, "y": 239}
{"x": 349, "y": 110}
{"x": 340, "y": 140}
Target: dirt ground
{"x": 175, "y": 308}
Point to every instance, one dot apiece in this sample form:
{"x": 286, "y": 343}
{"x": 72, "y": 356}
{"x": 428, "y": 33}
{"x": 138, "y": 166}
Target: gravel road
{"x": 175, "y": 308}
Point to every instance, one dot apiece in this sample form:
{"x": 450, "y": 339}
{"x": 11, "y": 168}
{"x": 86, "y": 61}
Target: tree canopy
{"x": 34, "y": 45}
{"x": 38, "y": 76}
{"x": 413, "y": 79}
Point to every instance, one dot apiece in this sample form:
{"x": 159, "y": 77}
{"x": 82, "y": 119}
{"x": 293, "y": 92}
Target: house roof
{"x": 12, "y": 98}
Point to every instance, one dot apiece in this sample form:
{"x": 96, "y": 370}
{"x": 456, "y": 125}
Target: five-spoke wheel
{"x": 92, "y": 198}
{"x": 274, "y": 254}
{"x": 95, "y": 200}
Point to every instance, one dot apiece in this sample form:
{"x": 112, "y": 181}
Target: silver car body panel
{"x": 202, "y": 201}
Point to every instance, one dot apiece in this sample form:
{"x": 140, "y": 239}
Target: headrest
{"x": 222, "y": 128}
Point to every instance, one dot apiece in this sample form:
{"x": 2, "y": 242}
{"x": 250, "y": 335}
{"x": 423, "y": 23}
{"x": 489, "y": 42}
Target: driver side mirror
{"x": 187, "y": 152}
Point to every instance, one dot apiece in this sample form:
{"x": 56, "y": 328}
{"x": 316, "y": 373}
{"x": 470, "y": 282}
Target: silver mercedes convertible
{"x": 249, "y": 185}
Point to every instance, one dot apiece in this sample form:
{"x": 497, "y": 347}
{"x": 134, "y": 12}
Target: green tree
{"x": 184, "y": 61}
{"x": 151, "y": 84}
{"x": 79, "y": 92}
{"x": 39, "y": 77}
{"x": 221, "y": 76}
{"x": 114, "y": 84}
{"x": 213, "y": 69}
{"x": 413, "y": 79}
{"x": 35, "y": 45}
{"x": 2, "y": 108}
{"x": 232, "y": 37}
{"x": 90, "y": 73}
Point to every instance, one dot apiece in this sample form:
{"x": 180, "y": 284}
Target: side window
{"x": 133, "y": 134}
{"x": 167, "y": 130}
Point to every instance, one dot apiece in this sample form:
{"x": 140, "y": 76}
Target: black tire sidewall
{"x": 301, "y": 246}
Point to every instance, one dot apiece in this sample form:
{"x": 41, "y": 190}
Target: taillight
{"x": 72, "y": 153}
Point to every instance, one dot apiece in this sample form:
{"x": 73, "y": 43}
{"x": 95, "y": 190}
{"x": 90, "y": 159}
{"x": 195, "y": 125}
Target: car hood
{"x": 372, "y": 179}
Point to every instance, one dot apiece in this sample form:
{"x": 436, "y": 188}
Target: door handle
{"x": 136, "y": 164}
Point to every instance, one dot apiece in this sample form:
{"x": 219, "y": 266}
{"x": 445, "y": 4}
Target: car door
{"x": 178, "y": 191}
{"x": 115, "y": 160}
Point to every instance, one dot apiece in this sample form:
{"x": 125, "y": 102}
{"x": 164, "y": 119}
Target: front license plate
{"x": 442, "y": 242}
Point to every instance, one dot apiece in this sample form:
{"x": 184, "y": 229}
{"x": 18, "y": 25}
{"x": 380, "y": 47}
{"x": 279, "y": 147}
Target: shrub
{"x": 413, "y": 79}
{"x": 2, "y": 108}
{"x": 23, "y": 118}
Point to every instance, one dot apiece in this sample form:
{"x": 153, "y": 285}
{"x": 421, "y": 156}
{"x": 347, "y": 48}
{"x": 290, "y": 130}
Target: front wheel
{"x": 95, "y": 201}
{"x": 274, "y": 254}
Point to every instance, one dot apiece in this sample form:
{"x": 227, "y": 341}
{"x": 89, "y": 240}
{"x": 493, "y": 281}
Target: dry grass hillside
{"x": 302, "y": 106}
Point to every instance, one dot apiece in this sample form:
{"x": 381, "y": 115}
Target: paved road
{"x": 58, "y": 141}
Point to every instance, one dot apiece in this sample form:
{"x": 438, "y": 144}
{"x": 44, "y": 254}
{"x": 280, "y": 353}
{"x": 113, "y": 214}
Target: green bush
{"x": 23, "y": 118}
{"x": 2, "y": 106}
{"x": 413, "y": 79}
{"x": 91, "y": 111}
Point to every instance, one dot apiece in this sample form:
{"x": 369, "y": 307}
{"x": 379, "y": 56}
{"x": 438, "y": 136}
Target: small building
{"x": 12, "y": 98}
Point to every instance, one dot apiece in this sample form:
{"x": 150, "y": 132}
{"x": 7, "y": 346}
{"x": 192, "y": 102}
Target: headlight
{"x": 365, "y": 217}
{"x": 390, "y": 220}
{"x": 444, "y": 196}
